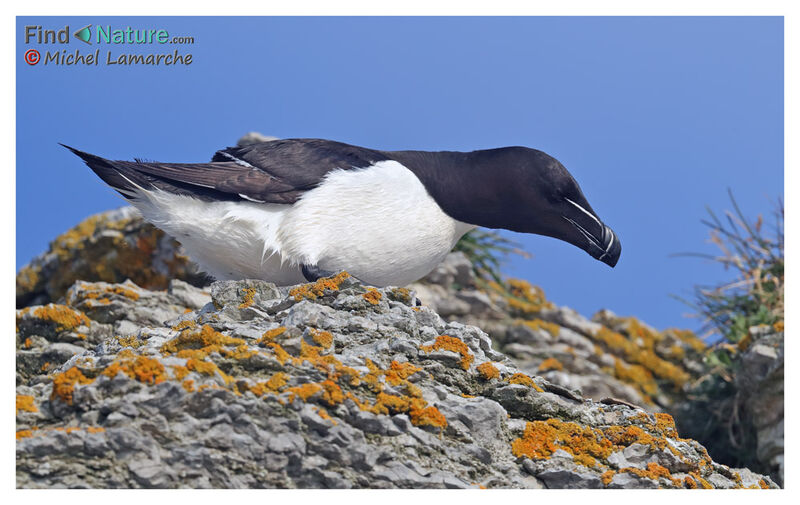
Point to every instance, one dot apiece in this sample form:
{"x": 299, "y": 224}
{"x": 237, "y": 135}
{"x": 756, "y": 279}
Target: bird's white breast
{"x": 378, "y": 223}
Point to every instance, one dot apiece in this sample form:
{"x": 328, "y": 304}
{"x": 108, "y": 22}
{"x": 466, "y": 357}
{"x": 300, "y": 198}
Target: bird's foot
{"x": 313, "y": 273}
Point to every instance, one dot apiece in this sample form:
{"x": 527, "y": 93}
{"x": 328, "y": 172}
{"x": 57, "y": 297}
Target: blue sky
{"x": 655, "y": 118}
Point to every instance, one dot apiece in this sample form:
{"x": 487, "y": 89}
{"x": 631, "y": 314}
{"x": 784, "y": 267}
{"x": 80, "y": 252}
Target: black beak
{"x": 597, "y": 239}
{"x": 612, "y": 247}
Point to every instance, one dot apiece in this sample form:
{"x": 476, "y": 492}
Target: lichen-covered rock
{"x": 760, "y": 379}
{"x": 111, "y": 246}
{"x": 331, "y": 384}
{"x": 738, "y": 409}
{"x": 607, "y": 357}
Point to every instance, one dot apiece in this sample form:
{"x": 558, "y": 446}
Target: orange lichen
{"x": 372, "y": 377}
{"x": 143, "y": 369}
{"x": 542, "y": 438}
{"x": 304, "y": 391}
{"x": 281, "y": 355}
{"x": 272, "y": 385}
{"x": 537, "y": 324}
{"x": 324, "y": 415}
{"x": 689, "y": 483}
{"x": 666, "y": 424}
{"x": 65, "y": 318}
{"x": 762, "y": 483}
{"x": 316, "y": 289}
{"x": 64, "y": 384}
{"x": 637, "y": 376}
{"x": 676, "y": 352}
{"x": 126, "y": 354}
{"x": 654, "y": 471}
{"x": 417, "y": 409}
{"x": 401, "y": 295}
{"x": 332, "y": 393}
{"x": 270, "y": 335}
{"x": 699, "y": 480}
{"x": 27, "y": 344}
{"x": 187, "y": 323}
{"x": 398, "y": 372}
{"x": 179, "y": 372}
{"x": 95, "y": 429}
{"x": 207, "y": 368}
{"x": 428, "y": 416}
{"x": 239, "y": 352}
{"x": 133, "y": 257}
{"x": 629, "y": 435}
{"x": 521, "y": 378}
{"x": 412, "y": 390}
{"x": 488, "y": 371}
{"x": 199, "y": 344}
{"x": 188, "y": 385}
{"x": 130, "y": 341}
{"x": 550, "y": 364}
{"x": 323, "y": 338}
{"x": 309, "y": 353}
{"x": 127, "y": 293}
{"x": 373, "y": 296}
{"x": 248, "y": 297}
{"x": 537, "y": 442}
{"x": 778, "y": 326}
{"x": 587, "y": 445}
{"x": 522, "y": 296}
{"x": 648, "y": 337}
{"x": 28, "y": 279}
{"x": 642, "y": 354}
{"x": 391, "y": 404}
{"x": 689, "y": 338}
{"x": 26, "y": 404}
{"x": 24, "y": 434}
{"x": 453, "y": 344}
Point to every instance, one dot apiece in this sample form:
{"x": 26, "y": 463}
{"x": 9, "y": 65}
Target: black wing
{"x": 278, "y": 171}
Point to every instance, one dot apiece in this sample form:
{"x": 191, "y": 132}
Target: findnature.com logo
{"x": 100, "y": 35}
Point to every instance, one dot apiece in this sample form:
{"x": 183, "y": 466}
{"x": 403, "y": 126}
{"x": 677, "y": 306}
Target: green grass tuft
{"x": 487, "y": 249}
{"x": 756, "y": 256}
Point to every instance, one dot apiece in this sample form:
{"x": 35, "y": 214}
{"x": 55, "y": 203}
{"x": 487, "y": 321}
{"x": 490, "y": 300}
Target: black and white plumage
{"x": 267, "y": 210}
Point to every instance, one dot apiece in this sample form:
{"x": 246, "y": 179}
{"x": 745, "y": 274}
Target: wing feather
{"x": 277, "y": 171}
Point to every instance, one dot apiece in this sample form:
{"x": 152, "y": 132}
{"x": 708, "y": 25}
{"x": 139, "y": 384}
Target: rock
{"x": 753, "y": 399}
{"x": 761, "y": 383}
{"x": 111, "y": 246}
{"x": 455, "y": 269}
{"x": 113, "y": 294}
{"x": 260, "y": 389}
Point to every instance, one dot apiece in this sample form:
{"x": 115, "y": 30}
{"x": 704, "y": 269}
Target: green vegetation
{"x": 755, "y": 295}
{"x": 715, "y": 412}
{"x": 486, "y": 249}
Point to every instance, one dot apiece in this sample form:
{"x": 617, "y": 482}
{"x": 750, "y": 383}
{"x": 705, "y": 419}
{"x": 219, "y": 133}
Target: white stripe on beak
{"x": 585, "y": 211}
{"x": 607, "y": 248}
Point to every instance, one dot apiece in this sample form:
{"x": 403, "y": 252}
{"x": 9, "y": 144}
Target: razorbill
{"x": 293, "y": 210}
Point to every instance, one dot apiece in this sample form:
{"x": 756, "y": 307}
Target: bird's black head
{"x": 519, "y": 189}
